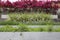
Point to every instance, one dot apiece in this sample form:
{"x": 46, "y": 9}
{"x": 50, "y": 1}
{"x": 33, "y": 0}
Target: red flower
{"x": 2, "y": 4}
{"x": 47, "y": 5}
{"x": 8, "y": 4}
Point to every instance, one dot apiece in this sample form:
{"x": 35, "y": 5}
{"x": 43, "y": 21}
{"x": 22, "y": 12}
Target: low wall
{"x": 30, "y": 36}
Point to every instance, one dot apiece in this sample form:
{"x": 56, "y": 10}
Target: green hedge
{"x": 25, "y": 28}
{"x": 7, "y": 28}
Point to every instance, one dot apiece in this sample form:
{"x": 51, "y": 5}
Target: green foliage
{"x": 38, "y": 29}
{"x": 57, "y": 29}
{"x": 29, "y": 23}
{"x": 23, "y": 28}
{"x": 7, "y": 28}
{"x": 8, "y": 23}
{"x": 56, "y": 23}
{"x": 29, "y": 17}
{"x": 48, "y": 28}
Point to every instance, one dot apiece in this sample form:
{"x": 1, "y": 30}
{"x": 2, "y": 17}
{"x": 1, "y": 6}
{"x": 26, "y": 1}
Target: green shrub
{"x": 48, "y": 28}
{"x": 8, "y": 23}
{"x": 57, "y": 29}
{"x": 7, "y": 28}
{"x": 29, "y": 23}
{"x": 23, "y": 28}
{"x": 34, "y": 29}
{"x": 29, "y": 17}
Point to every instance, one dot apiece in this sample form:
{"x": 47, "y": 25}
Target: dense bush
{"x": 34, "y": 19}
{"x": 48, "y": 28}
{"x": 7, "y": 28}
{"x": 23, "y": 28}
{"x": 29, "y": 17}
